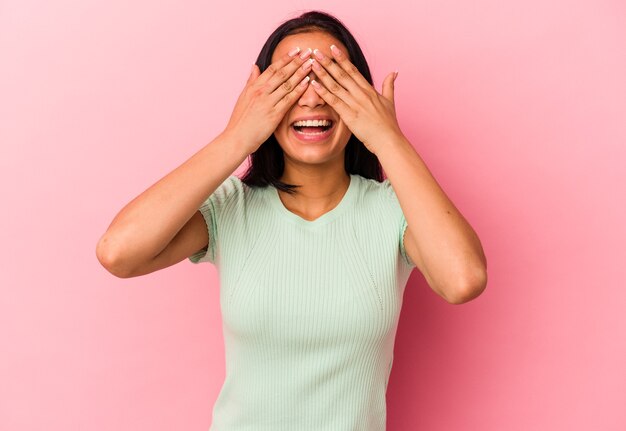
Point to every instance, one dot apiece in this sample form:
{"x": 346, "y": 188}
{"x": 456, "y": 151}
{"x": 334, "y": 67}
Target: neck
{"x": 319, "y": 193}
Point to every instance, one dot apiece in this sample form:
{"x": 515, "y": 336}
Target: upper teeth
{"x": 312, "y": 123}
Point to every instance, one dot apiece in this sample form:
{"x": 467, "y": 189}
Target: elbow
{"x": 470, "y": 286}
{"x": 108, "y": 258}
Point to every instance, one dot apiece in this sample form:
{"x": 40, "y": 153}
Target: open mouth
{"x": 313, "y": 127}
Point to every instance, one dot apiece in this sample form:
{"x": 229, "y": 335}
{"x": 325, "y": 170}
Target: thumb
{"x": 389, "y": 86}
{"x": 253, "y": 73}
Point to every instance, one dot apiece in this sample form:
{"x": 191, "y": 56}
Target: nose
{"x": 310, "y": 97}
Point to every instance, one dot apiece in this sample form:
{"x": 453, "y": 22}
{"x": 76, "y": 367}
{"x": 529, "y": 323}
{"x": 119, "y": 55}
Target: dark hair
{"x": 267, "y": 162}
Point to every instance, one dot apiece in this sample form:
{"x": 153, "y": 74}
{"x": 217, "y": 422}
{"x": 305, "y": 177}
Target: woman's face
{"x": 302, "y": 147}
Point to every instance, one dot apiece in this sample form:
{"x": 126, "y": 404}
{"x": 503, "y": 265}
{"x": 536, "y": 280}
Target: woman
{"x": 313, "y": 247}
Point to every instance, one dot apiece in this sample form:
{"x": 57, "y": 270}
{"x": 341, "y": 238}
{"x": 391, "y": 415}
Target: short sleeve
{"x": 212, "y": 209}
{"x": 399, "y": 219}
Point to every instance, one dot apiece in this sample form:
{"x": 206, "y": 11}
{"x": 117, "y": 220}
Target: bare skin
{"x": 163, "y": 226}
{"x": 438, "y": 239}
{"x": 317, "y": 167}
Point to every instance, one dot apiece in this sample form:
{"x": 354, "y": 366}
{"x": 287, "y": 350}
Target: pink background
{"x": 517, "y": 107}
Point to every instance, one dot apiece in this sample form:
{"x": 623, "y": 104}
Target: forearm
{"x": 449, "y": 249}
{"x": 146, "y": 225}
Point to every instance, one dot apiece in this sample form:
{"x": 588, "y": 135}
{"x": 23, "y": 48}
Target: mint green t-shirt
{"x": 310, "y": 308}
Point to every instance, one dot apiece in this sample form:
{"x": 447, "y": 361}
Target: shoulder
{"x": 378, "y": 190}
{"x": 379, "y": 198}
{"x": 231, "y": 185}
{"x": 231, "y": 189}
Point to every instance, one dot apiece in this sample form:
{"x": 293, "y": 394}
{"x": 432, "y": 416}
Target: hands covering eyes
{"x": 369, "y": 115}
{"x": 267, "y": 97}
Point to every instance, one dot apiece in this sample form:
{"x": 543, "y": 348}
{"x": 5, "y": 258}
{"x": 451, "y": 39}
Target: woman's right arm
{"x": 163, "y": 225}
{"x": 149, "y": 223}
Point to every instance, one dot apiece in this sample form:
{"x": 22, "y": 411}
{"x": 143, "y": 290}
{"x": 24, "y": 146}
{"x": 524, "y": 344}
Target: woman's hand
{"x": 267, "y": 97}
{"x": 370, "y": 116}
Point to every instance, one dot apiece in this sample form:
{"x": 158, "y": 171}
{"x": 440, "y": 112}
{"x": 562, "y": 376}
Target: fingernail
{"x": 318, "y": 54}
{"x": 304, "y": 81}
{"x": 294, "y": 51}
{"x": 307, "y": 64}
{"x": 315, "y": 83}
{"x": 335, "y": 50}
{"x": 306, "y": 53}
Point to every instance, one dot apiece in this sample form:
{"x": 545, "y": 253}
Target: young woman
{"x": 313, "y": 247}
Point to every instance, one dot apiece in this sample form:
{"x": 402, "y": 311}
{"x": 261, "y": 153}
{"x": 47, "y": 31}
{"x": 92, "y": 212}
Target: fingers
{"x": 292, "y": 83}
{"x": 349, "y": 68}
{"x": 277, "y": 72}
{"x": 254, "y": 73}
{"x": 389, "y": 86}
{"x": 337, "y": 90}
{"x": 290, "y": 98}
{"x": 335, "y": 102}
{"x": 281, "y": 77}
{"x": 332, "y": 74}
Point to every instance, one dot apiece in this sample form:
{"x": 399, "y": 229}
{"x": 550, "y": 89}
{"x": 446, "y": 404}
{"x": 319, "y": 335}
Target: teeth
{"x": 313, "y": 133}
{"x": 312, "y": 123}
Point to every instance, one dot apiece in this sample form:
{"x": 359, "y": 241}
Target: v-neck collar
{"x": 345, "y": 203}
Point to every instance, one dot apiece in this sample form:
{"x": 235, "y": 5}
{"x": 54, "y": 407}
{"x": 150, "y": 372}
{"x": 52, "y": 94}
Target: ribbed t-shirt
{"x": 310, "y": 308}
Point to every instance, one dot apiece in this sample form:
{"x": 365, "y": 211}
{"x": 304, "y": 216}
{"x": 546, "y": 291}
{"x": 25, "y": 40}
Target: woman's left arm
{"x": 438, "y": 239}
